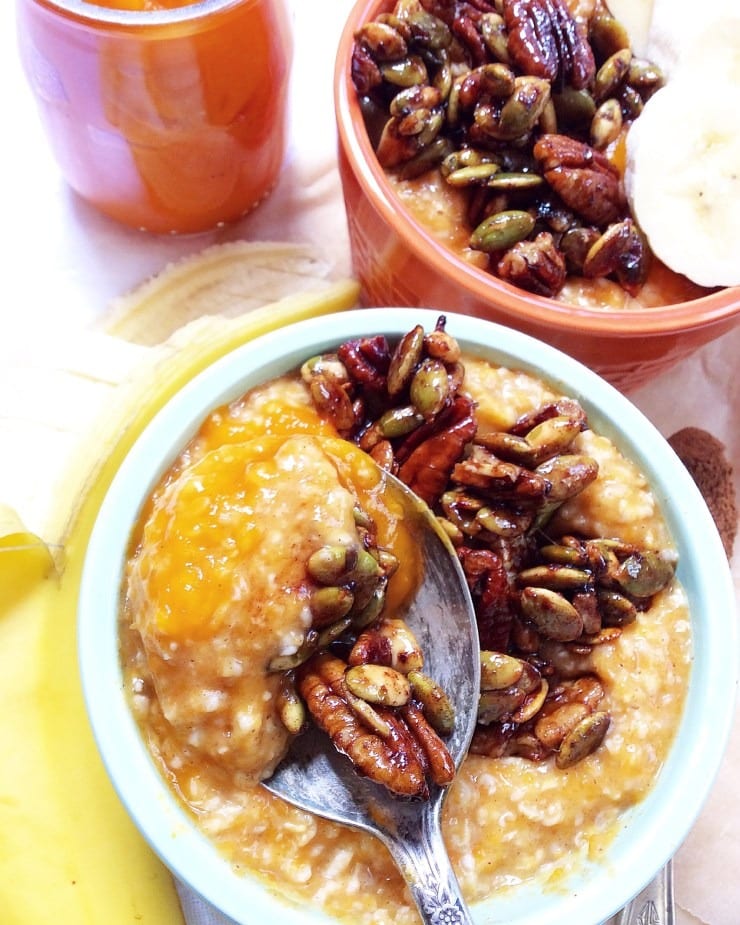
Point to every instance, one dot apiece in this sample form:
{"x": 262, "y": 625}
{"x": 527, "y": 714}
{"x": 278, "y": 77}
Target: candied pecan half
{"x": 426, "y": 468}
{"x": 583, "y": 177}
{"x": 394, "y": 761}
{"x": 546, "y": 41}
{"x": 537, "y": 265}
{"x": 492, "y": 592}
{"x": 366, "y": 74}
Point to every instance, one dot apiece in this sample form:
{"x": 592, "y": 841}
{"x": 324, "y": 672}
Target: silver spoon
{"x": 316, "y": 778}
{"x": 653, "y": 905}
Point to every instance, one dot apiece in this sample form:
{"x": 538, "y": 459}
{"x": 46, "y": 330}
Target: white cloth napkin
{"x": 197, "y": 911}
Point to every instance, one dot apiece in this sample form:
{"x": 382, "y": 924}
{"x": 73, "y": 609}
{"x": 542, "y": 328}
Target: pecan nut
{"x": 401, "y": 758}
{"x": 391, "y": 762}
{"x": 537, "y": 266}
{"x": 583, "y": 177}
{"x": 546, "y": 41}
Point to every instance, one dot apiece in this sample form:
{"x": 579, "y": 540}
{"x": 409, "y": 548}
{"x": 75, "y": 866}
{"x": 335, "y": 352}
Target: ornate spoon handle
{"x": 654, "y": 905}
{"x": 421, "y": 856}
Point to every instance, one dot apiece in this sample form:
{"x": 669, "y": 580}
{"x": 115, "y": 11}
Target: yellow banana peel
{"x": 69, "y": 854}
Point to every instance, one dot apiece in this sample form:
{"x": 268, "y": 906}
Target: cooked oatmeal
{"x": 194, "y": 672}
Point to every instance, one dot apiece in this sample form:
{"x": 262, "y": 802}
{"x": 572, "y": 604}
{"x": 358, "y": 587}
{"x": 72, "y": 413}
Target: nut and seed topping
{"x": 521, "y": 106}
{"x": 495, "y": 493}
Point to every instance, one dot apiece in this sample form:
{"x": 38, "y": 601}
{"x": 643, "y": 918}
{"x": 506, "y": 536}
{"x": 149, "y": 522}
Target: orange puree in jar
{"x": 169, "y": 116}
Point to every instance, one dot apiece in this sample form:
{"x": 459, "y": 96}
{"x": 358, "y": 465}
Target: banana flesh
{"x": 683, "y": 153}
{"x": 69, "y": 852}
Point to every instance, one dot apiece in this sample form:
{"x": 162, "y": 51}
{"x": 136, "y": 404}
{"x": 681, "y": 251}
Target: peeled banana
{"x": 683, "y": 153}
{"x": 69, "y": 855}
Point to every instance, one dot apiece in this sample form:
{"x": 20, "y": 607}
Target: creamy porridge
{"x": 216, "y": 588}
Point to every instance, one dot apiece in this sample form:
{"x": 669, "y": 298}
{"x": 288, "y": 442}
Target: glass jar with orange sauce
{"x": 167, "y": 115}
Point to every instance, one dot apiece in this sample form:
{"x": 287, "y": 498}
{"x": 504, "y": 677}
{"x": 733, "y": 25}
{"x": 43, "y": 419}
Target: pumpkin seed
{"x": 379, "y": 684}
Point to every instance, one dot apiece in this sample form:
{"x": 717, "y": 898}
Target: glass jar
{"x": 169, "y": 120}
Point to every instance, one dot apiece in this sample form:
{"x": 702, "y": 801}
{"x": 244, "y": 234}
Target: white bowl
{"x": 652, "y": 831}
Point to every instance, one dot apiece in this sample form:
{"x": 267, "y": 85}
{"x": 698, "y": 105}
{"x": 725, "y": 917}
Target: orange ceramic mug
{"x": 167, "y": 115}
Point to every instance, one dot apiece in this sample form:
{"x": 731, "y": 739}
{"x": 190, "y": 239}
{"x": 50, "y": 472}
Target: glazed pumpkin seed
{"x": 329, "y": 564}
{"x": 607, "y": 34}
{"x": 563, "y": 555}
{"x": 397, "y": 422}
{"x": 556, "y": 577}
{"x": 502, "y": 230}
{"x": 454, "y": 533}
{"x": 532, "y": 704}
{"x": 511, "y": 182}
{"x": 504, "y": 521}
{"x": 553, "y": 727}
{"x": 495, "y": 706}
{"x": 495, "y": 36}
{"x": 306, "y": 649}
{"x": 586, "y": 603}
{"x": 508, "y": 446}
{"x": 366, "y": 568}
{"x": 498, "y": 670}
{"x": 465, "y": 157}
{"x": 442, "y": 346}
{"x": 606, "y": 124}
{"x": 575, "y": 245}
{"x": 631, "y": 102}
{"x": 548, "y": 121}
{"x": 438, "y": 708}
{"x": 331, "y": 633}
{"x": 413, "y": 99}
{"x": 583, "y": 739}
{"x": 476, "y": 174}
{"x": 552, "y": 436}
{"x": 329, "y": 604}
{"x": 428, "y": 30}
{"x": 378, "y": 684}
{"x": 361, "y": 517}
{"x": 291, "y": 709}
{"x": 406, "y": 72}
{"x": 327, "y": 364}
{"x": 430, "y": 387}
{"x": 607, "y": 634}
{"x": 552, "y": 614}
{"x": 404, "y": 650}
{"x": 574, "y": 108}
{"x": 368, "y": 605}
{"x": 367, "y": 713}
{"x": 405, "y": 358}
{"x": 615, "y": 608}
{"x": 521, "y": 112}
{"x": 383, "y": 41}
{"x": 494, "y": 79}
{"x": 429, "y": 156}
{"x": 643, "y": 75}
{"x": 568, "y": 474}
{"x": 387, "y": 561}
{"x": 643, "y": 574}
{"x": 611, "y": 74}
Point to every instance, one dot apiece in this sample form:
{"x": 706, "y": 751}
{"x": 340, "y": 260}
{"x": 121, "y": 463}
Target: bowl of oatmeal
{"x": 483, "y": 180}
{"x": 604, "y": 604}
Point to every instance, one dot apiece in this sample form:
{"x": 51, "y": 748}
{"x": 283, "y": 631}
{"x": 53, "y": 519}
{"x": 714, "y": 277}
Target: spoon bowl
{"x": 318, "y": 779}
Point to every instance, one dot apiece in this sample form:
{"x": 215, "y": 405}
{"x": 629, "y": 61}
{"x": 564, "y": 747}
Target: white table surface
{"x": 63, "y": 263}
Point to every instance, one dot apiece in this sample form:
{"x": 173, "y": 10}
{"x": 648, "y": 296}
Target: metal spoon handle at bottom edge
{"x": 421, "y": 856}
{"x": 654, "y": 905}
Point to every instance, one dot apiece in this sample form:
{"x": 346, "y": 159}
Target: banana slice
{"x": 674, "y": 38}
{"x": 683, "y": 161}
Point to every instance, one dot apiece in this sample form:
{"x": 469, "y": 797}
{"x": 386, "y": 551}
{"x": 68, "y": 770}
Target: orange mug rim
{"x": 714, "y": 307}
{"x": 90, "y": 12}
